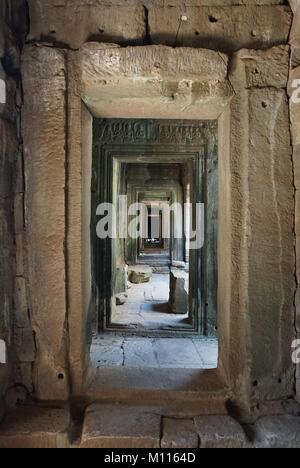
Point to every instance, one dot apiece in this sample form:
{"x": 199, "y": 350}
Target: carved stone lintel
{"x": 154, "y": 131}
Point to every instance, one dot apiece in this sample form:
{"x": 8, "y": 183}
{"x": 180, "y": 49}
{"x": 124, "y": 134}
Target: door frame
{"x": 107, "y": 158}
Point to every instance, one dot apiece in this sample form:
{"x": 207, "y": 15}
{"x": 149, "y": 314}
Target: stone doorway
{"x": 104, "y": 81}
{"x": 164, "y": 171}
{"x": 155, "y": 257}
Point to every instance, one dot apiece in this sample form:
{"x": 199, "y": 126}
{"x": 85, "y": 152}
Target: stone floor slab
{"x": 220, "y": 432}
{"x": 147, "y": 306}
{"x": 176, "y": 352}
{"x": 107, "y": 351}
{"x": 114, "y": 426}
{"x": 34, "y": 427}
{"x": 208, "y": 351}
{"x": 164, "y": 353}
{"x": 139, "y": 353}
{"x": 278, "y": 432}
{"x": 179, "y": 433}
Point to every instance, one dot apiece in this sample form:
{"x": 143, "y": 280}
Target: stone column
{"x": 268, "y": 246}
{"x": 44, "y": 124}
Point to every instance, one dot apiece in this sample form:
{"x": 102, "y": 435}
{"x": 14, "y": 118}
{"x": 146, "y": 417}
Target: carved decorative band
{"x": 154, "y": 131}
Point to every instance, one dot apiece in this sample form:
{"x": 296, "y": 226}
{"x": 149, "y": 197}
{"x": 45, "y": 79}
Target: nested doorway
{"x": 156, "y": 164}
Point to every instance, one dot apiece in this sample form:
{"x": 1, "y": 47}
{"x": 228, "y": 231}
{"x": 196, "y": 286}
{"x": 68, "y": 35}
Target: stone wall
{"x": 223, "y": 25}
{"x": 15, "y": 330}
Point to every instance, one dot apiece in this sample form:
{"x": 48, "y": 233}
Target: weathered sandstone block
{"x": 225, "y": 29}
{"x": 271, "y": 283}
{"x": 73, "y": 23}
{"x": 105, "y": 61}
{"x": 179, "y": 291}
{"x": 154, "y": 80}
{"x": 44, "y": 123}
{"x": 179, "y": 433}
{"x": 265, "y": 68}
{"x": 220, "y": 432}
{"x": 33, "y": 427}
{"x": 114, "y": 426}
{"x": 140, "y": 274}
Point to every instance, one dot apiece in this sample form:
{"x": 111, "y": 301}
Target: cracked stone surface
{"x": 146, "y": 306}
{"x": 164, "y": 353}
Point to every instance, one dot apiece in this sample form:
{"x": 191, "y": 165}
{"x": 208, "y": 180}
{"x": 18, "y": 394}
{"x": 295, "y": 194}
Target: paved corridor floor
{"x": 168, "y": 353}
{"x": 147, "y": 307}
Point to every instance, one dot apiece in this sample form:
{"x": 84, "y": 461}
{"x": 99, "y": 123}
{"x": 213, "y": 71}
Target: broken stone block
{"x": 34, "y": 427}
{"x": 278, "y": 432}
{"x": 220, "y": 432}
{"x": 179, "y": 433}
{"x": 121, "y": 279}
{"x": 140, "y": 274}
{"x": 179, "y": 291}
{"x": 114, "y": 426}
{"x": 120, "y": 300}
{"x": 139, "y": 278}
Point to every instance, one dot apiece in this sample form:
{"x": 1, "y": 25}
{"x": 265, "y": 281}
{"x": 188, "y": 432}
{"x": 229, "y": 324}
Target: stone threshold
{"x": 120, "y": 426}
{"x": 156, "y": 386}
